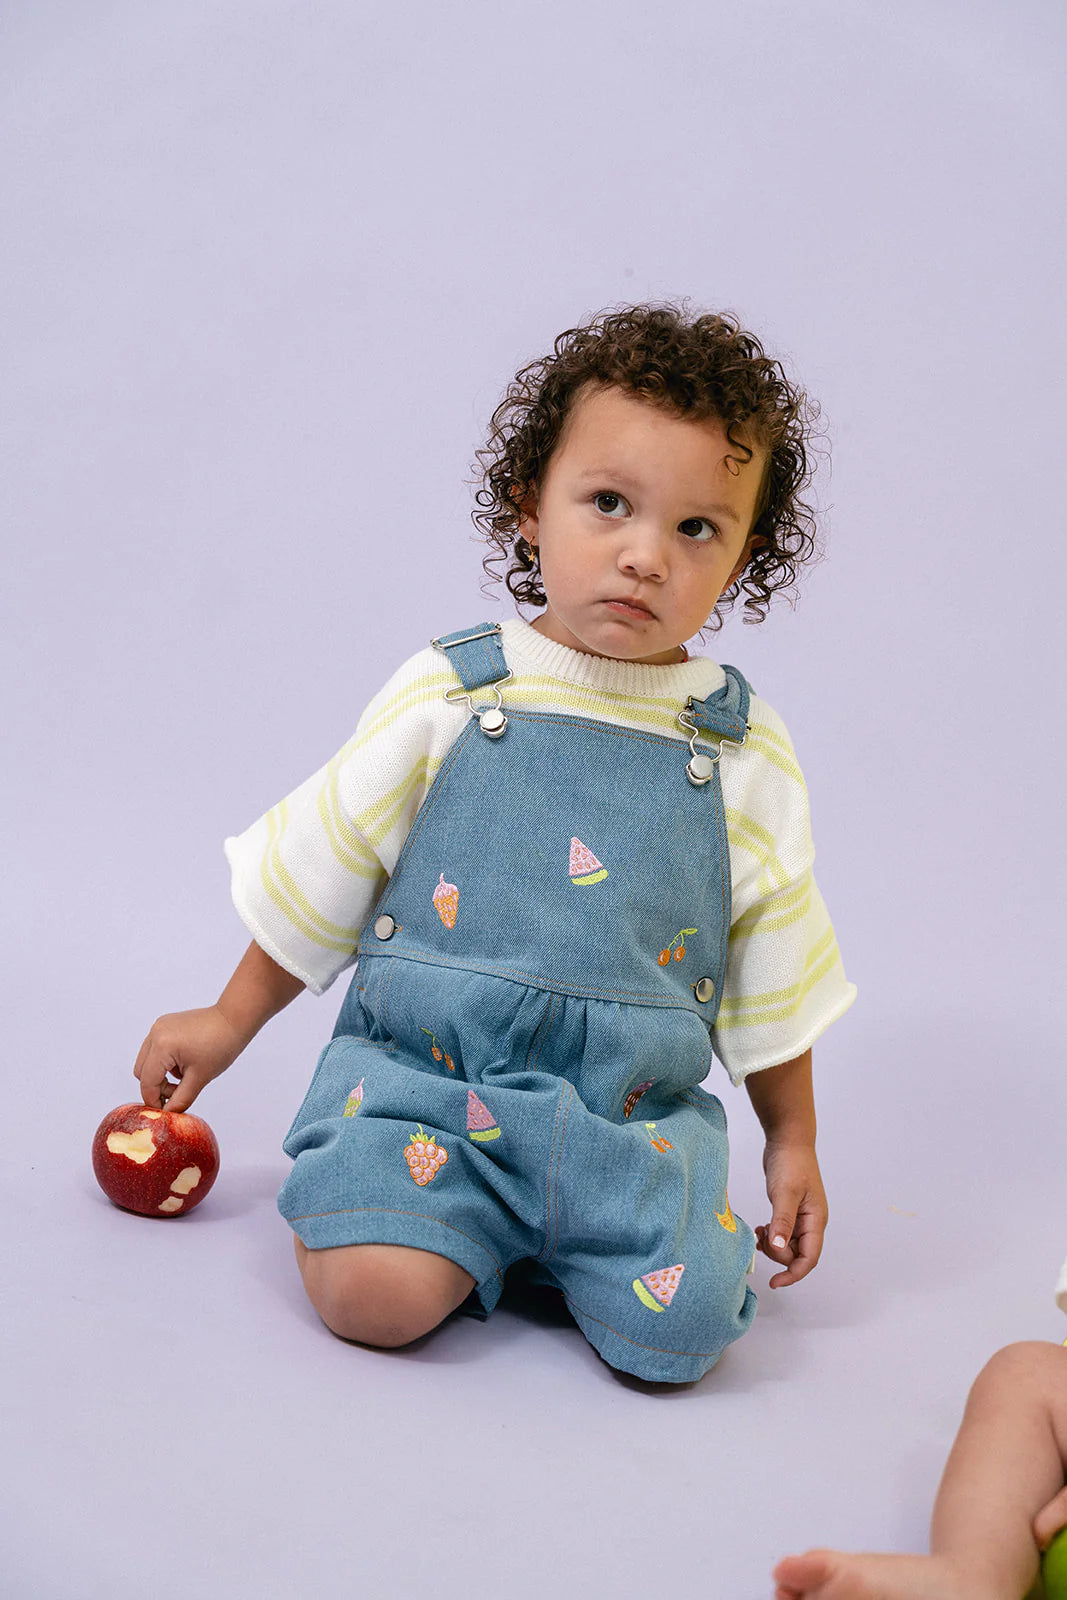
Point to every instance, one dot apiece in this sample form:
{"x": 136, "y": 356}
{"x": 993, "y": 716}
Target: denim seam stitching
{"x": 654, "y": 1348}
{"x": 435, "y": 958}
{"x": 552, "y": 1182}
{"x": 399, "y": 1211}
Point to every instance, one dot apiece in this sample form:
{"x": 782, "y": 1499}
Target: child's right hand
{"x": 192, "y": 1046}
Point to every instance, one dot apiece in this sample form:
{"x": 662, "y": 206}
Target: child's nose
{"x": 644, "y": 552}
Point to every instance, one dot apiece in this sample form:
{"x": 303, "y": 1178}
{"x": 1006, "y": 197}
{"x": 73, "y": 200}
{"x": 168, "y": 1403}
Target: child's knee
{"x": 1028, "y": 1367}
{"x": 382, "y": 1295}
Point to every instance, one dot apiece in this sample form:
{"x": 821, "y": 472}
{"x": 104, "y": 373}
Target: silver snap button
{"x": 699, "y": 770}
{"x": 384, "y": 927}
{"x": 705, "y": 988}
{"x": 493, "y": 722}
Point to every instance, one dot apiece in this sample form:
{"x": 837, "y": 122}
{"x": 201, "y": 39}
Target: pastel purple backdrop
{"x": 268, "y": 270}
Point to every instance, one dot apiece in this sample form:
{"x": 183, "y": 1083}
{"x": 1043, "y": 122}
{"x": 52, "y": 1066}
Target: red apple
{"x": 160, "y": 1163}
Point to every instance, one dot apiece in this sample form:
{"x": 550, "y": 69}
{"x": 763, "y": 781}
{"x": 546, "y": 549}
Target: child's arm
{"x": 196, "y": 1046}
{"x": 783, "y": 1101}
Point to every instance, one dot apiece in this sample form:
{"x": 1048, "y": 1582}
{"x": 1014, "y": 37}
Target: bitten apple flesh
{"x": 157, "y": 1163}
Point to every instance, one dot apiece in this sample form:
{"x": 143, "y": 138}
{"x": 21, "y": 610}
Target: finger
{"x": 807, "y": 1246}
{"x": 1050, "y": 1519}
{"x": 142, "y": 1055}
{"x": 181, "y": 1095}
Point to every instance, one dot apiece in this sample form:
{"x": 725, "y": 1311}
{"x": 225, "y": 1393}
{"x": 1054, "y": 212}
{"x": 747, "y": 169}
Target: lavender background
{"x": 268, "y": 270}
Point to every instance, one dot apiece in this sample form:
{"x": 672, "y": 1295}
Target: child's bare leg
{"x": 1008, "y": 1461}
{"x": 381, "y": 1294}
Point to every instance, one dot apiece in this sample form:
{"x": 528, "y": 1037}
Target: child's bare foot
{"x": 831, "y": 1575}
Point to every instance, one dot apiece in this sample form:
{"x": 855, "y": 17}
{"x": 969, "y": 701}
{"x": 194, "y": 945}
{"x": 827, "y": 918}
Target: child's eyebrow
{"x": 611, "y": 475}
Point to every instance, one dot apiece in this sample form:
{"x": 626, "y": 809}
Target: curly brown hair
{"x": 699, "y": 367}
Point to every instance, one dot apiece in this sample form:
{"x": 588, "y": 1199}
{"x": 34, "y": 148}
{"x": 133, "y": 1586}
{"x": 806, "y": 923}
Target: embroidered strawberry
{"x": 656, "y": 1289}
{"x": 634, "y": 1096}
{"x": 584, "y": 867}
{"x": 425, "y": 1157}
{"x": 446, "y": 899}
{"x": 354, "y": 1101}
{"x": 481, "y": 1124}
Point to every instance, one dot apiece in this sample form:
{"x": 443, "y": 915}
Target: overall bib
{"x": 515, "y": 1070}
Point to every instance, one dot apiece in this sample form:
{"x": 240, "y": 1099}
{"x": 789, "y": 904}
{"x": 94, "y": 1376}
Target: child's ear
{"x": 525, "y": 501}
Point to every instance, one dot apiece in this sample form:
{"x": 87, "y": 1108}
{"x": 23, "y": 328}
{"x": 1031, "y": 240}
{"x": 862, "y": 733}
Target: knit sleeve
{"x": 306, "y": 876}
{"x": 785, "y": 982}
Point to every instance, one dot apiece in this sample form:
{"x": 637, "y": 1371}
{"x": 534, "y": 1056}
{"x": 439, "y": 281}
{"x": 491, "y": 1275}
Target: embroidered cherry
{"x": 679, "y": 953}
{"x": 436, "y": 1050}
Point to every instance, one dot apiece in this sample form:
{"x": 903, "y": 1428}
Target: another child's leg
{"x": 1009, "y": 1460}
{"x": 381, "y": 1294}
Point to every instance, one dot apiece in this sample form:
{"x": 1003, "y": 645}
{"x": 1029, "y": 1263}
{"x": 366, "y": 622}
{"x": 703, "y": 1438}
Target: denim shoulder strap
{"x": 724, "y": 713}
{"x": 476, "y": 654}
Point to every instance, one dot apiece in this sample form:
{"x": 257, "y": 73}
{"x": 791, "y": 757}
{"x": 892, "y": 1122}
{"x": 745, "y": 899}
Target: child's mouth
{"x": 628, "y": 610}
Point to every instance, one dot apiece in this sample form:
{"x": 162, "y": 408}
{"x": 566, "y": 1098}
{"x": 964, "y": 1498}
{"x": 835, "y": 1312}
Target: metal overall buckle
{"x": 492, "y": 720}
{"x": 701, "y": 767}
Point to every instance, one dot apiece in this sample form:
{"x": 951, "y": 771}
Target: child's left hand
{"x": 793, "y": 1237}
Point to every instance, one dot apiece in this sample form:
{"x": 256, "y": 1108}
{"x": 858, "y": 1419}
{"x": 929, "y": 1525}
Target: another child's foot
{"x": 832, "y": 1575}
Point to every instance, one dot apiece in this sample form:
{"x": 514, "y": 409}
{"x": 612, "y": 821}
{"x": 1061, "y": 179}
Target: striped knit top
{"x": 306, "y": 876}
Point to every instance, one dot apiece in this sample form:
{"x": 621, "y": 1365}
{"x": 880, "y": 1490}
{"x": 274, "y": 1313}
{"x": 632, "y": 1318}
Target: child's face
{"x": 639, "y": 505}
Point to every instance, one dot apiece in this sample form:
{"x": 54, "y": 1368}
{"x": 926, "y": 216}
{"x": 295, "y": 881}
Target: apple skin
{"x": 1054, "y": 1568}
{"x": 157, "y": 1163}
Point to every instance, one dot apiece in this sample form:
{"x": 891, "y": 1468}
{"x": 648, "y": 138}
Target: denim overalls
{"x": 515, "y": 1070}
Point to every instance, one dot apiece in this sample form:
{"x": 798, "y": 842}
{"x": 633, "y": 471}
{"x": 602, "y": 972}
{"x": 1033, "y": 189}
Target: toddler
{"x": 568, "y": 861}
{"x": 1001, "y": 1500}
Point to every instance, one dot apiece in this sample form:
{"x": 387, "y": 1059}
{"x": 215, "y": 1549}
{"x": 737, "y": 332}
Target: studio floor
{"x": 177, "y": 1421}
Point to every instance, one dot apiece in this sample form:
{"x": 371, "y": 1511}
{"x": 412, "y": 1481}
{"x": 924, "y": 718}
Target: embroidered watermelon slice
{"x": 481, "y": 1124}
{"x": 659, "y": 1287}
{"x": 584, "y": 866}
{"x": 354, "y": 1101}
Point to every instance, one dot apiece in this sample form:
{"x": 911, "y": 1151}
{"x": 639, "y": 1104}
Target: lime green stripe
{"x": 784, "y": 1012}
{"x": 350, "y": 849}
{"x": 760, "y": 740}
{"x": 297, "y": 909}
{"x": 774, "y": 997}
{"x": 749, "y": 835}
{"x": 771, "y": 916}
{"x": 377, "y": 821}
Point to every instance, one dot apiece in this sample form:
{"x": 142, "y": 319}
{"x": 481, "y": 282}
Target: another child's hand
{"x": 793, "y": 1237}
{"x": 192, "y": 1046}
{"x": 1050, "y": 1519}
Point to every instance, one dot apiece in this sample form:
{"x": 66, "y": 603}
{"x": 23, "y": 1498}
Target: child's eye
{"x": 698, "y": 523}
{"x": 608, "y": 494}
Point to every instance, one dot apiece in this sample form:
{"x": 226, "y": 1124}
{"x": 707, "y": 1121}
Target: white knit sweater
{"x": 307, "y": 874}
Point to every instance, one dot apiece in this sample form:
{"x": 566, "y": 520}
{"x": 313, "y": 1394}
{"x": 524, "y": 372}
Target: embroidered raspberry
{"x": 424, "y": 1156}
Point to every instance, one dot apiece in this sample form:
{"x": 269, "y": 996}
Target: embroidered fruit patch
{"x": 658, "y": 1141}
{"x": 354, "y": 1101}
{"x": 436, "y": 1050}
{"x": 481, "y": 1124}
{"x": 584, "y": 867}
{"x": 425, "y": 1157}
{"x": 446, "y": 900}
{"x": 676, "y": 948}
{"x": 656, "y": 1289}
{"x": 727, "y": 1218}
{"x": 634, "y": 1096}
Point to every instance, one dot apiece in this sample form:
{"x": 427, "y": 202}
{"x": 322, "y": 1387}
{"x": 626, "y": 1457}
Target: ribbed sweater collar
{"x": 698, "y": 676}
